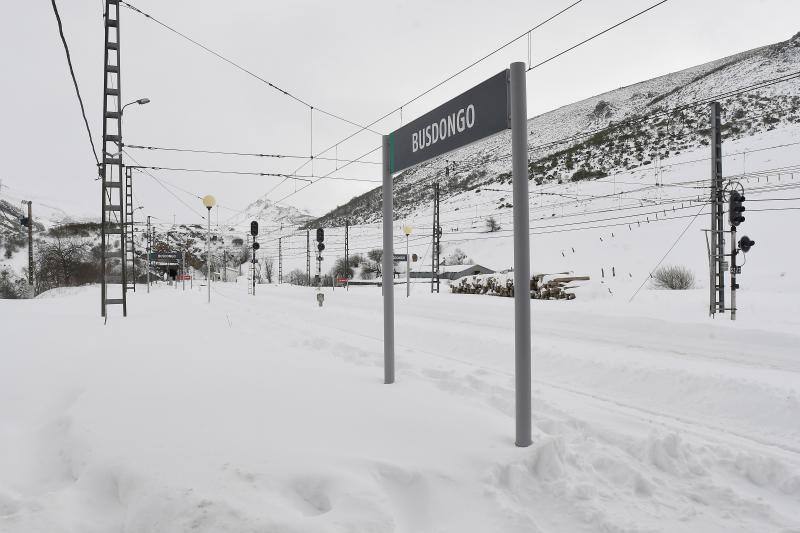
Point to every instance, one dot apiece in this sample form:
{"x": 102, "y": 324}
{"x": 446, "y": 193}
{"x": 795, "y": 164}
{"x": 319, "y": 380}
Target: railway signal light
{"x": 25, "y": 221}
{"x": 320, "y": 234}
{"x": 745, "y": 243}
{"x": 321, "y": 246}
{"x": 254, "y": 228}
{"x": 256, "y": 246}
{"x": 736, "y": 208}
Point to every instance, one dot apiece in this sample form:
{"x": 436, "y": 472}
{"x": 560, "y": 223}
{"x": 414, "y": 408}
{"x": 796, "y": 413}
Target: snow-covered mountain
{"x": 575, "y": 142}
{"x": 269, "y": 215}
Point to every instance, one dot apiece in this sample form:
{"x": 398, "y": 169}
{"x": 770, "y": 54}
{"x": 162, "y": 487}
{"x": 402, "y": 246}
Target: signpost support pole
{"x": 408, "y": 271}
{"x": 208, "y": 256}
{"x": 522, "y": 263}
{"x": 387, "y": 266}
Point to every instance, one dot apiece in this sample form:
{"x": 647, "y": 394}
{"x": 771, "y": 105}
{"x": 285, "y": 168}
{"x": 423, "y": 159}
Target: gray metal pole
{"x": 30, "y": 245}
{"x": 149, "y": 249}
{"x": 733, "y": 272}
{"x": 408, "y": 271}
{"x": 718, "y": 207}
{"x": 388, "y": 270}
{"x": 208, "y": 256}
{"x": 522, "y": 262}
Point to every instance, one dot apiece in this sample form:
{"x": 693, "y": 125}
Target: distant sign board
{"x": 471, "y": 116}
{"x": 163, "y": 256}
{"x": 399, "y": 257}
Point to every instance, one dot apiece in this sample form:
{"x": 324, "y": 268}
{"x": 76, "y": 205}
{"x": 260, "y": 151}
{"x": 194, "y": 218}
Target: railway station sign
{"x": 469, "y": 117}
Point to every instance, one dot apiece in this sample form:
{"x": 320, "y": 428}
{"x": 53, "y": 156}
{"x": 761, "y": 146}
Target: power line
{"x": 328, "y": 175}
{"x": 243, "y": 69}
{"x": 143, "y": 169}
{"x": 247, "y": 154}
{"x": 596, "y": 35}
{"x": 449, "y": 78}
{"x": 650, "y": 274}
{"x": 254, "y": 173}
{"x": 75, "y": 81}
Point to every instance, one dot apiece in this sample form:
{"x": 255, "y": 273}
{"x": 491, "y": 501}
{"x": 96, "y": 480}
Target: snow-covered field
{"x": 267, "y": 413}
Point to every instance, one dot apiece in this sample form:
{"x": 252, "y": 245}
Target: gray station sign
{"x": 477, "y": 113}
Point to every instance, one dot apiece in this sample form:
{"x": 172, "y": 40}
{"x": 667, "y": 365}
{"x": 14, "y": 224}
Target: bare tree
{"x": 64, "y": 262}
{"x": 267, "y": 263}
{"x": 458, "y": 257}
{"x": 298, "y": 277}
{"x": 373, "y": 263}
{"x": 492, "y": 224}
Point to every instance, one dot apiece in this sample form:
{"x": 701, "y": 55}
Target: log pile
{"x": 542, "y": 286}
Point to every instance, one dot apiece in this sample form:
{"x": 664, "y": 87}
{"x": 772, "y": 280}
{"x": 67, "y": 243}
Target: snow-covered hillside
{"x": 621, "y": 130}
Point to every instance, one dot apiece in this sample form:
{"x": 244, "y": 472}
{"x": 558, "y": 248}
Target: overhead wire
{"x": 243, "y": 69}
{"x": 75, "y": 81}
{"x": 247, "y": 154}
{"x": 595, "y": 36}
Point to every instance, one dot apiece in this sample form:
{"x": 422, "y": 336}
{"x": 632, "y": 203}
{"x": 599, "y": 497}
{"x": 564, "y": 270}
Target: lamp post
{"x": 140, "y": 101}
{"x": 407, "y": 230}
{"x": 208, "y": 201}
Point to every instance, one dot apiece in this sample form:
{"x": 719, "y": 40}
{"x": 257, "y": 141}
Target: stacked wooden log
{"x": 542, "y": 286}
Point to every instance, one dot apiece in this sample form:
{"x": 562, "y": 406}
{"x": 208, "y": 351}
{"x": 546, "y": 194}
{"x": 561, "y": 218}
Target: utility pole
{"x": 437, "y": 236}
{"x": 112, "y": 198}
{"x": 734, "y": 286}
{"x": 308, "y": 256}
{"x": 30, "y": 244}
{"x": 209, "y": 202}
{"x": 347, "y": 252}
{"x": 183, "y": 268}
{"x": 280, "y": 260}
{"x": 717, "y": 264}
{"x": 253, "y": 266}
{"x": 149, "y": 249}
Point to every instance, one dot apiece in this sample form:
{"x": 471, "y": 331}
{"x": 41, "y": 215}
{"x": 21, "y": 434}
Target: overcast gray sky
{"x": 358, "y": 59}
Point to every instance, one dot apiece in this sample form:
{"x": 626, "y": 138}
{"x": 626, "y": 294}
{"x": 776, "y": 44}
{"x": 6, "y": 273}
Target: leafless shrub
{"x": 673, "y": 277}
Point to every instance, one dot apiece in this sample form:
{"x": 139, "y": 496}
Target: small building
{"x": 454, "y": 271}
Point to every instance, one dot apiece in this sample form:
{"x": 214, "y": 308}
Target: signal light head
{"x": 320, "y": 246}
{"x": 736, "y": 208}
{"x": 745, "y": 243}
{"x": 320, "y": 234}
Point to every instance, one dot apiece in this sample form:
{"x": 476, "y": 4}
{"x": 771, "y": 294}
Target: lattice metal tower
{"x": 308, "y": 256}
{"x": 130, "y": 252}
{"x": 113, "y": 286}
{"x": 280, "y": 259}
{"x": 718, "y": 263}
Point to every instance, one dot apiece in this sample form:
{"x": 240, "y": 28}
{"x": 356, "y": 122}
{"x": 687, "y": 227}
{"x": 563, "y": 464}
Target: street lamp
{"x": 407, "y": 230}
{"x": 140, "y": 101}
{"x": 208, "y": 201}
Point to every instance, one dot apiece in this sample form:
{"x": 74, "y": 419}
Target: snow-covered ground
{"x": 267, "y": 413}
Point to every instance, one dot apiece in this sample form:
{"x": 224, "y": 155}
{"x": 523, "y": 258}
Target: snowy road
{"x": 267, "y": 413}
